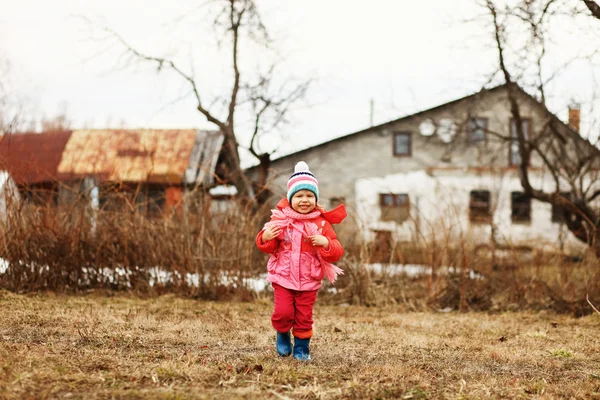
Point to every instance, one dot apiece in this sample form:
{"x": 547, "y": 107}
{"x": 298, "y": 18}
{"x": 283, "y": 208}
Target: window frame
{"x": 470, "y": 130}
{"x": 395, "y": 147}
{"x": 399, "y": 202}
{"x": 396, "y": 202}
{"x": 515, "y": 218}
{"x": 480, "y": 217}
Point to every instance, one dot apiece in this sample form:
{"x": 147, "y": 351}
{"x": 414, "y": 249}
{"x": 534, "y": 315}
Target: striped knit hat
{"x": 301, "y": 179}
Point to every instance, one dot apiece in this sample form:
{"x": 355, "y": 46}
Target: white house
{"x": 452, "y": 167}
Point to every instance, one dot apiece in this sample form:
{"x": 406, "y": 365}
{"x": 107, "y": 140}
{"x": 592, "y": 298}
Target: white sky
{"x": 405, "y": 55}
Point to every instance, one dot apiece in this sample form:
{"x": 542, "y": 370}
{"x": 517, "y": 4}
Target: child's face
{"x": 304, "y": 201}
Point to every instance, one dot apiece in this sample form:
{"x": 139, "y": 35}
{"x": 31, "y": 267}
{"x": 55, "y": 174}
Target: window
{"x": 111, "y": 197}
{"x": 394, "y": 207}
{"x": 336, "y": 201}
{"x": 151, "y": 201}
{"x": 403, "y": 144}
{"x": 559, "y": 212}
{"x": 477, "y": 129}
{"x": 41, "y": 195}
{"x": 514, "y": 155}
{"x": 394, "y": 200}
{"x": 479, "y": 206}
{"x": 521, "y": 207}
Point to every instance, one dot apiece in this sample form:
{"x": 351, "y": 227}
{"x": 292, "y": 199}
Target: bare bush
{"x": 206, "y": 253}
{"x": 445, "y": 273}
{"x": 75, "y": 247}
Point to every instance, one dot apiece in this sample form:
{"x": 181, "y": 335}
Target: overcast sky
{"x": 404, "y": 55}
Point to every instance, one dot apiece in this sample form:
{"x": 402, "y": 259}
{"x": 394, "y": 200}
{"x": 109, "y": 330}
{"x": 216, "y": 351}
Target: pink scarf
{"x": 287, "y": 216}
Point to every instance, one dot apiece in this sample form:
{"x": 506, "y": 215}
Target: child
{"x": 302, "y": 245}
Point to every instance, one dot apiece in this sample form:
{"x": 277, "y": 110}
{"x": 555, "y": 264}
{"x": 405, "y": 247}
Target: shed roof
{"x": 32, "y": 158}
{"x": 170, "y": 156}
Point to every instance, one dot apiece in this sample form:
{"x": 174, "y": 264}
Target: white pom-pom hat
{"x": 302, "y": 179}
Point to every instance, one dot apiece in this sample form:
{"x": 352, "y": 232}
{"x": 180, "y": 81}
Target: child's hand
{"x": 270, "y": 233}
{"x": 319, "y": 241}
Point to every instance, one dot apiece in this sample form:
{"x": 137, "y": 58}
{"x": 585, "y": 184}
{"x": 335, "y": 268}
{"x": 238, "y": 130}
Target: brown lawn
{"x": 98, "y": 346}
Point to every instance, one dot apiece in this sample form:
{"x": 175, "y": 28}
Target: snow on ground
{"x": 415, "y": 270}
{"x": 259, "y": 283}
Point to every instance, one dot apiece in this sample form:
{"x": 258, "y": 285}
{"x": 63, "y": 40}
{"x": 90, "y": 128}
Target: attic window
{"x": 520, "y": 207}
{"x": 402, "y": 144}
{"x": 394, "y": 207}
{"x": 479, "y": 206}
{"x": 477, "y": 129}
{"x": 514, "y": 154}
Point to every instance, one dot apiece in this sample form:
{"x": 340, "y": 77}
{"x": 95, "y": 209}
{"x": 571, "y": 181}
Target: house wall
{"x": 439, "y": 205}
{"x": 340, "y": 163}
{"x": 354, "y": 167}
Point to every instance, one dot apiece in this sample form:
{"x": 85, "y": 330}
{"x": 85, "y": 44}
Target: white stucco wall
{"x": 440, "y": 203}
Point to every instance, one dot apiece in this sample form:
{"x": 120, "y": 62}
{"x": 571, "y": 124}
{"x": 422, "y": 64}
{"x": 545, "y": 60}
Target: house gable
{"x": 374, "y": 151}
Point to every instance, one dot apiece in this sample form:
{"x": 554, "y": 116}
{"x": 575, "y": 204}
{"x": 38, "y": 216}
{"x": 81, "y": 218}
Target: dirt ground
{"x": 101, "y": 346}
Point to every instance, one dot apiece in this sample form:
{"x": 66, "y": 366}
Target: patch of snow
{"x": 397, "y": 269}
{"x": 223, "y": 190}
{"x": 258, "y": 284}
{"x": 416, "y": 270}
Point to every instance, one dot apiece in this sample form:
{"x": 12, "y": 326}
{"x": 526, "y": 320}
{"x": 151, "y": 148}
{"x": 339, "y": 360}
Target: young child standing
{"x": 302, "y": 245}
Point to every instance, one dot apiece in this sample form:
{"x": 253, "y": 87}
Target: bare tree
{"x": 572, "y": 161}
{"x": 593, "y": 7}
{"x": 269, "y": 102}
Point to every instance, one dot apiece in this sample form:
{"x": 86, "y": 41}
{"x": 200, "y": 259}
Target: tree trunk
{"x": 234, "y": 170}
{"x": 263, "y": 193}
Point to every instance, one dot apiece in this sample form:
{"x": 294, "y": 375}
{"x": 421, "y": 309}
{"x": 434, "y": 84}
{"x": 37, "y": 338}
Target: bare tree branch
{"x": 566, "y": 155}
{"x": 587, "y": 297}
{"x": 161, "y": 63}
{"x": 235, "y": 20}
{"x": 593, "y": 7}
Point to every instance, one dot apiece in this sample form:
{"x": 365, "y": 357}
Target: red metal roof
{"x": 32, "y": 157}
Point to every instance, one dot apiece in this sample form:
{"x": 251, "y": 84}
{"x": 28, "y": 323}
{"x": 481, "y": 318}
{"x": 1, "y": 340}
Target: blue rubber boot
{"x": 301, "y": 350}
{"x": 284, "y": 344}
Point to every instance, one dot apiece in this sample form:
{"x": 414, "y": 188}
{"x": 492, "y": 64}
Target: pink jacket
{"x": 294, "y": 262}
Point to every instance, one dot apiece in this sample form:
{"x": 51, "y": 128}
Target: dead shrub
{"x": 458, "y": 275}
{"x": 208, "y": 252}
{"x": 75, "y": 247}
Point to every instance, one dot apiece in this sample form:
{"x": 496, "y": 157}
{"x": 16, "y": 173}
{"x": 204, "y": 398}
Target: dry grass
{"x": 98, "y": 346}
